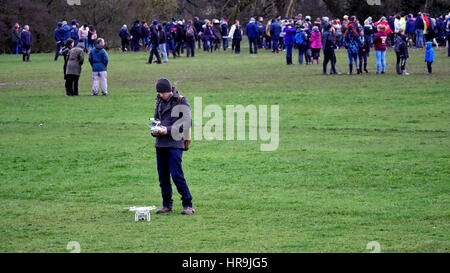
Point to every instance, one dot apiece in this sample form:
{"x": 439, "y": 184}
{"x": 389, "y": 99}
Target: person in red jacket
{"x": 380, "y": 44}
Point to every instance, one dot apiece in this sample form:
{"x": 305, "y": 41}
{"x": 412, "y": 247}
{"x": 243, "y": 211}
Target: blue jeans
{"x": 288, "y": 47}
{"x": 381, "y": 60}
{"x": 275, "y": 44}
{"x": 169, "y": 164}
{"x": 353, "y": 56}
{"x": 253, "y": 45}
{"x": 419, "y": 38}
{"x": 301, "y": 52}
{"x": 15, "y": 48}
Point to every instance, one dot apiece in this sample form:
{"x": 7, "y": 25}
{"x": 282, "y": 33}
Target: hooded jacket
{"x": 98, "y": 58}
{"x": 429, "y": 54}
{"x": 316, "y": 40}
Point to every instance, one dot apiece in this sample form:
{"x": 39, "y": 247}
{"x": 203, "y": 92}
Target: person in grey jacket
{"x": 170, "y": 144}
{"x": 73, "y": 70}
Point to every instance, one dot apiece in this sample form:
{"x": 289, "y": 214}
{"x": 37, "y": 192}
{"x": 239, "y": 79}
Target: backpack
{"x": 74, "y": 34}
{"x": 299, "y": 38}
{"x": 190, "y": 32}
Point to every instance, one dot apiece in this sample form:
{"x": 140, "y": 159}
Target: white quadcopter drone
{"x": 141, "y": 212}
{"x": 156, "y": 125}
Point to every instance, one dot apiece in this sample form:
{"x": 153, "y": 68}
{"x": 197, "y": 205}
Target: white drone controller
{"x": 156, "y": 126}
{"x": 141, "y": 212}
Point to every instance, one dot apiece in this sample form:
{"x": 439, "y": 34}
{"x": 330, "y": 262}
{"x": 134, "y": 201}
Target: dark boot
{"x": 365, "y": 68}
{"x": 164, "y": 210}
{"x": 398, "y": 69}
{"x": 350, "y": 69}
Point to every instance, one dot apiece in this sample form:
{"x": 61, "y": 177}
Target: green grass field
{"x": 360, "y": 159}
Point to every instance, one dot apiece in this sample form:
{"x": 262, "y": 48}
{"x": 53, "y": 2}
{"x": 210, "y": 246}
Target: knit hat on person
{"x": 163, "y": 86}
{"x": 155, "y": 22}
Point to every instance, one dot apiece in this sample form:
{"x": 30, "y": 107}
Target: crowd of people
{"x": 309, "y": 38}
{"x": 73, "y": 42}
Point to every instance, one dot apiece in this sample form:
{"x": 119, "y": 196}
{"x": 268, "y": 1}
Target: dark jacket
{"x": 163, "y": 112}
{"x": 162, "y": 36}
{"x": 179, "y": 33}
{"x": 26, "y": 39}
{"x": 154, "y": 36}
{"x": 252, "y": 30}
{"x": 329, "y": 43}
{"x": 98, "y": 59}
{"x": 420, "y": 23}
{"x": 65, "y": 53}
{"x": 136, "y": 30}
{"x": 198, "y": 25}
{"x": 75, "y": 62}
{"x": 237, "y": 35}
{"x": 145, "y": 31}
{"x": 364, "y": 45}
{"x": 124, "y": 34}
{"x": 74, "y": 34}
{"x": 275, "y": 30}
{"x": 15, "y": 35}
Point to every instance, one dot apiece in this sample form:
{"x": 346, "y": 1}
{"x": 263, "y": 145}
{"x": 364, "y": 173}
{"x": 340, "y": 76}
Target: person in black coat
{"x": 198, "y": 25}
{"x": 179, "y": 37}
{"x": 329, "y": 45}
{"x": 364, "y": 50}
{"x": 27, "y": 42}
{"x": 136, "y": 35}
{"x": 191, "y": 36}
{"x": 401, "y": 51}
{"x": 154, "y": 37}
{"x": 125, "y": 37}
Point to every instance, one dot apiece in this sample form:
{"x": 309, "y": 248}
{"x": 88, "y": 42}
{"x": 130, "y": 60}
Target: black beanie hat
{"x": 163, "y": 86}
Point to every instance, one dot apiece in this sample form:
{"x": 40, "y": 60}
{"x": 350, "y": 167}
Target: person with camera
{"x": 171, "y": 141}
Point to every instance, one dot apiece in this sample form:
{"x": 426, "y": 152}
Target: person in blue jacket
{"x": 66, "y": 31}
{"x": 98, "y": 58}
{"x": 74, "y": 32}
{"x": 275, "y": 31}
{"x": 351, "y": 43}
{"x": 136, "y": 33}
{"x": 252, "y": 34}
{"x": 27, "y": 42}
{"x": 420, "y": 26}
{"x": 410, "y": 29}
{"x": 59, "y": 38}
{"x": 429, "y": 56}
{"x": 289, "y": 39}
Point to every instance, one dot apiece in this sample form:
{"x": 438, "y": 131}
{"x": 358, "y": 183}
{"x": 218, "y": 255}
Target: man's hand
{"x": 163, "y": 131}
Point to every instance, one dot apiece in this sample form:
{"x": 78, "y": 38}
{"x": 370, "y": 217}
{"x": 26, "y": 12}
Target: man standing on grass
{"x": 252, "y": 34}
{"x": 27, "y": 42}
{"x": 169, "y": 151}
{"x": 98, "y": 58}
